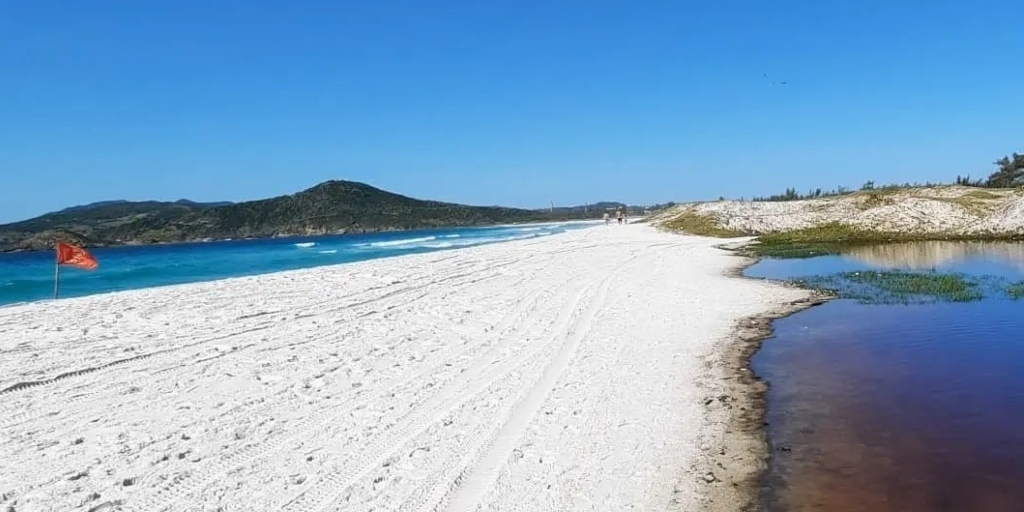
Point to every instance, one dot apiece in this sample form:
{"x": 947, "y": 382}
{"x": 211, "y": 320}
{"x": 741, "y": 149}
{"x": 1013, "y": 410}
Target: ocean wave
{"x": 469, "y": 242}
{"x": 305, "y": 244}
{"x": 329, "y": 251}
{"x": 453, "y": 235}
{"x": 396, "y": 243}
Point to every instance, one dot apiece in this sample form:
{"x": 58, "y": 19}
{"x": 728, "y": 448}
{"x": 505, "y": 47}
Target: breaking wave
{"x": 396, "y": 243}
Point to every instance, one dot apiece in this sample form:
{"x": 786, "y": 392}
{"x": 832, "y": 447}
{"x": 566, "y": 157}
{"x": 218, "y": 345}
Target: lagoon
{"x": 881, "y": 406}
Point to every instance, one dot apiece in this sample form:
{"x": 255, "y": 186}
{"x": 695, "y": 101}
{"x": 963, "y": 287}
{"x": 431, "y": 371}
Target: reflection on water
{"x": 926, "y": 255}
{"x": 898, "y": 408}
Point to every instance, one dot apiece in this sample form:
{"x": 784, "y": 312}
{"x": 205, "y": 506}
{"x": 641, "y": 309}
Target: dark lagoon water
{"x": 895, "y": 407}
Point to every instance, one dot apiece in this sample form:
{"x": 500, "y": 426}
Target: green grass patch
{"x": 982, "y": 194}
{"x": 974, "y": 206}
{"x": 899, "y": 287}
{"x": 795, "y": 250}
{"x": 830, "y": 233}
{"x": 828, "y": 238}
{"x": 701, "y": 225}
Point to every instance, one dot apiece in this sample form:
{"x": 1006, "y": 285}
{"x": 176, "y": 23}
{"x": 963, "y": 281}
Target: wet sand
{"x": 739, "y": 457}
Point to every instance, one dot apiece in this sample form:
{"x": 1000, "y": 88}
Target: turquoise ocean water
{"x": 26, "y": 277}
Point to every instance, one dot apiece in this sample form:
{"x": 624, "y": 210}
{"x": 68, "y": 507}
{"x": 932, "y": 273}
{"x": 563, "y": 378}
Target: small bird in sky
{"x": 774, "y": 82}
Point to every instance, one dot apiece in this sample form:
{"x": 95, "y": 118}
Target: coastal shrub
{"x": 1009, "y": 174}
{"x": 874, "y": 199}
{"x": 792, "y": 194}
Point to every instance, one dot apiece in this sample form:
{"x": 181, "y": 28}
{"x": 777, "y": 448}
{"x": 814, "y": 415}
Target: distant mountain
{"x": 330, "y": 207}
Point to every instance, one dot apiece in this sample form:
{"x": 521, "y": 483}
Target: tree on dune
{"x": 1010, "y": 172}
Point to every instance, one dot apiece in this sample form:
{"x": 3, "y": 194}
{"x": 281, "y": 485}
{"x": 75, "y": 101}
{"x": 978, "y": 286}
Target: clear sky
{"x": 499, "y": 102}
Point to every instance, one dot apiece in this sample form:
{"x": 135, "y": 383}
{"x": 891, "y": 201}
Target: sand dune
{"x": 945, "y": 210}
{"x": 564, "y": 373}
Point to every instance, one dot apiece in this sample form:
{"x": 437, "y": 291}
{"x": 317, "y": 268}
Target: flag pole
{"x": 56, "y": 273}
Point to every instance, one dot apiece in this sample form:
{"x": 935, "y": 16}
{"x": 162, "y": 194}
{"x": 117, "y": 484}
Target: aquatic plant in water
{"x": 1015, "y": 290}
{"x": 899, "y": 286}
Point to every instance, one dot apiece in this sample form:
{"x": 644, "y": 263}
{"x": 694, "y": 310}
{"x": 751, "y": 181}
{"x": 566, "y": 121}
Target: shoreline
{"x": 353, "y": 248}
{"x": 539, "y": 374}
{"x": 278, "y": 236}
{"x": 743, "y": 452}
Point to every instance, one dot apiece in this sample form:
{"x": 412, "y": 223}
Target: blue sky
{"x": 488, "y": 102}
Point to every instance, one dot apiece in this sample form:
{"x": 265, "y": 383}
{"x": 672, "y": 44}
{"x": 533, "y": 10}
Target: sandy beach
{"x": 580, "y": 371}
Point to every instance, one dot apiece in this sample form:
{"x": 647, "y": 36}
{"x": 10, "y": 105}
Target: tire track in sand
{"x": 328, "y": 488}
{"x": 297, "y": 313}
{"x": 458, "y": 476}
{"x": 515, "y": 416}
{"x": 463, "y": 481}
{"x": 116, "y": 389}
{"x": 265, "y": 409}
{"x": 423, "y": 282}
{"x": 463, "y": 486}
{"x": 321, "y": 420}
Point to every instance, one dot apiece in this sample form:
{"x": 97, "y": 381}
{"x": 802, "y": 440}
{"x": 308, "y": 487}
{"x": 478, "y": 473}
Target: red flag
{"x": 75, "y": 256}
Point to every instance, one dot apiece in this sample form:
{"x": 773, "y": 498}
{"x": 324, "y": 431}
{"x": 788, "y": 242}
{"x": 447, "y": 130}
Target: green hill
{"x": 330, "y": 207}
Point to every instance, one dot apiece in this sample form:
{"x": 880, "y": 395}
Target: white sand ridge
{"x": 949, "y": 210}
{"x": 554, "y": 374}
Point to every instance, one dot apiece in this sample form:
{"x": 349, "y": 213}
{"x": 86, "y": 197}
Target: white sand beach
{"x": 563, "y": 373}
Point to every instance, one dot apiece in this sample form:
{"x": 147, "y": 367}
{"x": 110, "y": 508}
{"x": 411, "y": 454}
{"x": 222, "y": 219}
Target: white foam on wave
{"x": 467, "y": 242}
{"x": 329, "y": 251}
{"x": 396, "y": 243}
{"x": 504, "y": 234}
{"x": 305, "y": 244}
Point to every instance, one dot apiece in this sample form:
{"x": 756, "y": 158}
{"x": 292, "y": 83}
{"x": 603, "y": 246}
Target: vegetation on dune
{"x": 1009, "y": 174}
{"x": 701, "y": 225}
{"x": 791, "y": 193}
{"x": 826, "y": 238}
{"x": 834, "y": 237}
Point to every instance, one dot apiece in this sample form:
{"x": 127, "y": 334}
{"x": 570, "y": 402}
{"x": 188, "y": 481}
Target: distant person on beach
{"x": 620, "y": 217}
{"x": 607, "y": 218}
